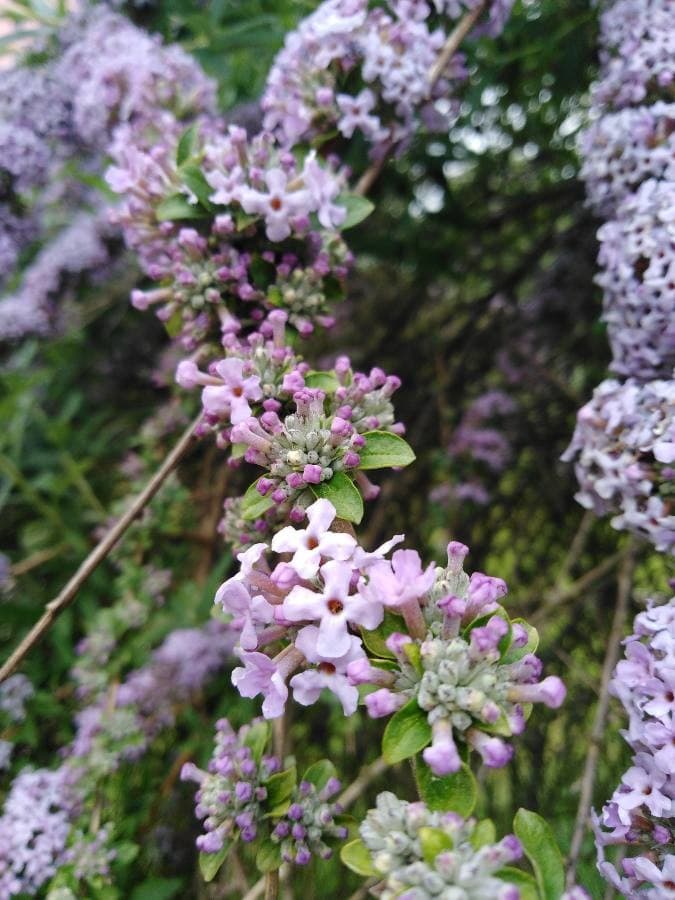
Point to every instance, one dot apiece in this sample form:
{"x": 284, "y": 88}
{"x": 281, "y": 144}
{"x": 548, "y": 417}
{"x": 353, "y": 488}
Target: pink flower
{"x": 312, "y": 544}
{"x": 230, "y": 399}
{"x": 278, "y": 205}
{"x": 259, "y": 675}
{"x": 397, "y": 582}
{"x": 323, "y": 188}
{"x": 331, "y": 674}
{"x": 334, "y": 607}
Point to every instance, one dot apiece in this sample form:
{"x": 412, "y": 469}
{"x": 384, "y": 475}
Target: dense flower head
{"x": 624, "y": 447}
{"x": 638, "y": 279}
{"x": 309, "y": 822}
{"x": 394, "y": 834}
{"x": 231, "y": 792}
{"x": 354, "y": 68}
{"x": 264, "y": 234}
{"x": 637, "y": 49}
{"x": 621, "y": 150}
{"x": 640, "y": 813}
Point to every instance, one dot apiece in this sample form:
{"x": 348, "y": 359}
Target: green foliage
{"x": 384, "y": 450}
{"x": 541, "y": 849}
{"x": 451, "y": 793}
{"x": 407, "y": 733}
{"x": 343, "y": 494}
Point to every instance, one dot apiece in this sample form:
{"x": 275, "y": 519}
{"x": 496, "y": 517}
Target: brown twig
{"x": 35, "y": 560}
{"x": 464, "y": 26}
{"x": 272, "y": 885}
{"x": 56, "y": 606}
{"x": 624, "y": 585}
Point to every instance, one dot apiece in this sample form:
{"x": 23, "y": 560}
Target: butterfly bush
{"x": 640, "y": 812}
{"x": 624, "y": 445}
{"x": 622, "y": 434}
{"x": 454, "y": 659}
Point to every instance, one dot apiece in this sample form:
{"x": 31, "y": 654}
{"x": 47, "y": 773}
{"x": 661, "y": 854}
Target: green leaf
{"x": 483, "y": 834}
{"x": 343, "y": 494}
{"x": 320, "y": 773}
{"x": 522, "y": 880}
{"x": 375, "y": 640}
{"x": 384, "y": 450}
{"x": 126, "y": 852}
{"x": 156, "y": 889}
{"x": 262, "y": 272}
{"x": 281, "y": 786}
{"x": 433, "y": 841}
{"x": 187, "y": 145}
{"x": 358, "y": 209}
{"x": 193, "y": 178}
{"x": 210, "y": 863}
{"x": 450, "y": 793}
{"x": 268, "y": 857}
{"x": 256, "y": 739}
{"x": 407, "y": 733}
{"x": 325, "y": 381}
{"x": 177, "y": 207}
{"x": 513, "y": 654}
{"x": 356, "y": 857}
{"x": 540, "y": 847}
{"x": 254, "y": 504}
{"x": 174, "y": 324}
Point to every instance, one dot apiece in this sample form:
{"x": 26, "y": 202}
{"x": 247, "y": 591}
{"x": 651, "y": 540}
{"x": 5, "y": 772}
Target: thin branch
{"x": 625, "y": 582}
{"x": 56, "y": 606}
{"x": 272, "y": 885}
{"x": 464, "y": 26}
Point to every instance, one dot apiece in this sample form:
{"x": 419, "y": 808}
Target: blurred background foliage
{"x": 475, "y": 273}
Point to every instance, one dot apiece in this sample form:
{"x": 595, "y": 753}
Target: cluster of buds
{"x": 454, "y": 658}
{"x": 640, "y": 813}
{"x": 308, "y": 822}
{"x": 231, "y": 793}
{"x": 420, "y": 854}
{"x": 229, "y": 229}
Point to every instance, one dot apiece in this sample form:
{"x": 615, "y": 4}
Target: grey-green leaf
{"x": 210, "y": 863}
{"x": 254, "y": 503}
{"x": 358, "y": 208}
{"x": 343, "y": 494}
{"x": 356, "y": 857}
{"x": 385, "y": 450}
{"x": 407, "y": 733}
{"x": 177, "y": 207}
{"x": 450, "y": 793}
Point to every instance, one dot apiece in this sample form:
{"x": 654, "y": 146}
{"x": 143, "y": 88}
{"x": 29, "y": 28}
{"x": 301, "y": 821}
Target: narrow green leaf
{"x": 513, "y": 654}
{"x": 483, "y": 834}
{"x": 343, "y": 494}
{"x": 157, "y": 889}
{"x": 450, "y": 793}
{"x": 280, "y": 786}
{"x": 325, "y": 381}
{"x": 433, "y": 841}
{"x": 210, "y": 863}
{"x": 320, "y": 773}
{"x": 254, "y": 504}
{"x": 256, "y": 739}
{"x": 358, "y": 209}
{"x": 193, "y": 178}
{"x": 384, "y": 450}
{"x": 177, "y": 207}
{"x": 407, "y": 733}
{"x": 268, "y": 857}
{"x": 187, "y": 145}
{"x": 540, "y": 847}
{"x": 357, "y": 858}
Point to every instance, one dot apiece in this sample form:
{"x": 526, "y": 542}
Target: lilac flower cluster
{"x": 394, "y": 835}
{"x": 267, "y": 236}
{"x": 351, "y": 67}
{"x": 231, "y": 793}
{"x": 454, "y": 655}
{"x": 624, "y": 445}
{"x": 630, "y": 176}
{"x": 640, "y": 813}
{"x": 103, "y": 73}
{"x": 13, "y": 696}
{"x": 477, "y": 446}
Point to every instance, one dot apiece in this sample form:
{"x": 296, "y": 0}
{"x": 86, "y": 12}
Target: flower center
{"x": 335, "y": 606}
{"x": 238, "y": 391}
{"x": 312, "y": 543}
{"x": 327, "y": 668}
{"x": 276, "y": 203}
